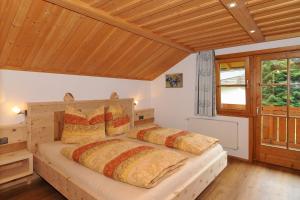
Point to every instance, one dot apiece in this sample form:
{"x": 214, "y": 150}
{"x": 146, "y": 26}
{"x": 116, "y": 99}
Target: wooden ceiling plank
{"x": 268, "y": 19}
{"x": 159, "y": 53}
{"x": 61, "y": 38}
{"x": 211, "y": 34}
{"x": 98, "y": 3}
{"x": 282, "y": 36}
{"x": 223, "y": 45}
{"x": 211, "y": 41}
{"x": 58, "y": 33}
{"x": 211, "y": 23}
{"x": 243, "y": 17}
{"x": 200, "y": 31}
{"x": 86, "y": 26}
{"x": 129, "y": 6}
{"x": 15, "y": 28}
{"x": 160, "y": 8}
{"x": 171, "y": 58}
{"x": 89, "y": 63}
{"x": 27, "y": 34}
{"x": 272, "y": 5}
{"x": 138, "y": 58}
{"x": 256, "y": 2}
{"x": 51, "y": 16}
{"x": 9, "y": 14}
{"x": 137, "y": 44}
{"x": 157, "y": 59}
{"x": 281, "y": 31}
{"x": 281, "y": 21}
{"x": 282, "y": 26}
{"x": 217, "y": 38}
{"x": 108, "y": 48}
{"x": 117, "y": 53}
{"x": 181, "y": 22}
{"x": 201, "y": 22}
{"x": 190, "y": 17}
{"x": 168, "y": 62}
{"x": 84, "y": 9}
{"x": 277, "y": 14}
{"x": 89, "y": 43}
{"x": 178, "y": 12}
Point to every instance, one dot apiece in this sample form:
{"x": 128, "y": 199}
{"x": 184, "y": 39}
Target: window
{"x": 232, "y": 79}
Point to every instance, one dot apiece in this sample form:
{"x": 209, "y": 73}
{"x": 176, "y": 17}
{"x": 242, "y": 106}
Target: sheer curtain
{"x": 205, "y": 84}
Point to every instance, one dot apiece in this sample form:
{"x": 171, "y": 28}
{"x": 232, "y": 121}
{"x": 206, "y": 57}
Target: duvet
{"x": 194, "y": 143}
{"x": 127, "y": 161}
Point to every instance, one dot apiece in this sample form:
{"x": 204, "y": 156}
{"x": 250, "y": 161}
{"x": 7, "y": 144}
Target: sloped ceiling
{"x": 135, "y": 39}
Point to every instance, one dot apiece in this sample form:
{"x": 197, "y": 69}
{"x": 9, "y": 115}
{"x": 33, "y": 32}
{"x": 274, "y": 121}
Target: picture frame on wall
{"x": 174, "y": 80}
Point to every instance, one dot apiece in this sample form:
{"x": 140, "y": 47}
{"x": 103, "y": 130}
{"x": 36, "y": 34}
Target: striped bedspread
{"x": 126, "y": 161}
{"x": 194, "y": 143}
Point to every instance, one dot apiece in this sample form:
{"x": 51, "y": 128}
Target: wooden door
{"x": 277, "y": 131}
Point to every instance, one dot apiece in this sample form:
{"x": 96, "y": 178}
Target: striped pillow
{"x": 80, "y": 127}
{"x": 116, "y": 120}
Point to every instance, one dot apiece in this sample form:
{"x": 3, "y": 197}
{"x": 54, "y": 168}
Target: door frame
{"x": 278, "y": 156}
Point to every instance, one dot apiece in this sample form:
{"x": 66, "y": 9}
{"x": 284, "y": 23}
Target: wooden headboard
{"x": 45, "y": 119}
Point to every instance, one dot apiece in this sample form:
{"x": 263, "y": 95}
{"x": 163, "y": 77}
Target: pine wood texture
{"x": 14, "y": 133}
{"x": 16, "y": 146}
{"x": 134, "y": 39}
{"x": 242, "y": 15}
{"x": 43, "y": 123}
{"x": 14, "y": 165}
{"x": 276, "y": 19}
{"x": 40, "y": 36}
{"x": 143, "y": 116}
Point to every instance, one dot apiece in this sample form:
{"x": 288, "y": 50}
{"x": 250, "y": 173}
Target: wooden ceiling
{"x": 135, "y": 39}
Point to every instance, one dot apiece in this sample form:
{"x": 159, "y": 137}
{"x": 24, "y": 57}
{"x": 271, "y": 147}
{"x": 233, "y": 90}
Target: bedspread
{"x": 127, "y": 161}
{"x": 174, "y": 138}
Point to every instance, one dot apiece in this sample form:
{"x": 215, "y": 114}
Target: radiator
{"x": 225, "y": 131}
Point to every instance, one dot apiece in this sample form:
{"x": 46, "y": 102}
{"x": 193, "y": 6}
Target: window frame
{"x": 233, "y": 109}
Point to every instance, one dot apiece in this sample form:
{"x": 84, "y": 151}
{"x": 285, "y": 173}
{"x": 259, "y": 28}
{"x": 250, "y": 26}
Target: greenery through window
{"x": 275, "y": 80}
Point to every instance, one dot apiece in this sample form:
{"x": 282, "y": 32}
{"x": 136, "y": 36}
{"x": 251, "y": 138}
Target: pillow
{"x": 80, "y": 127}
{"x": 117, "y": 121}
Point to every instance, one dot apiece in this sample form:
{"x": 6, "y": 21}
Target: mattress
{"x": 105, "y": 188}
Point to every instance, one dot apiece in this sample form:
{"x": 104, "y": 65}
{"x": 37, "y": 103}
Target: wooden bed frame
{"x": 45, "y": 124}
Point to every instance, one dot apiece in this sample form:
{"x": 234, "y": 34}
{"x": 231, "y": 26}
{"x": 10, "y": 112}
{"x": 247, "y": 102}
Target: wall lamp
{"x": 19, "y": 111}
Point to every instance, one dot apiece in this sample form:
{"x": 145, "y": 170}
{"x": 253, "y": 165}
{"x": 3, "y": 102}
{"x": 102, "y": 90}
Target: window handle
{"x": 257, "y": 110}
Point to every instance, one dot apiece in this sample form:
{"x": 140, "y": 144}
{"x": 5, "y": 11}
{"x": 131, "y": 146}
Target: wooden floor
{"x": 239, "y": 181}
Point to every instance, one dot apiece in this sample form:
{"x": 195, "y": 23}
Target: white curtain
{"x": 205, "y": 83}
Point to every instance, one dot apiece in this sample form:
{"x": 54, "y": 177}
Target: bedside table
{"x": 14, "y": 165}
{"x": 143, "y": 116}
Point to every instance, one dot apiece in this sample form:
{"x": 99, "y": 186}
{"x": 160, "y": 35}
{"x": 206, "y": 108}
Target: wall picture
{"x": 174, "y": 80}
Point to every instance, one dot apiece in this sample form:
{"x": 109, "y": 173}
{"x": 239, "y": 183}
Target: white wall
{"x": 173, "y": 106}
{"x": 17, "y": 88}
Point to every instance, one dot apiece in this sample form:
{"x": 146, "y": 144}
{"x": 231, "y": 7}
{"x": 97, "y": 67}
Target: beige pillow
{"x": 116, "y": 120}
{"x": 80, "y": 127}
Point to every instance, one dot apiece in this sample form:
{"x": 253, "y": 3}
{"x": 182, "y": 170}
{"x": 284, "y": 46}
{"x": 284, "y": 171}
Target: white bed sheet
{"x": 106, "y": 188}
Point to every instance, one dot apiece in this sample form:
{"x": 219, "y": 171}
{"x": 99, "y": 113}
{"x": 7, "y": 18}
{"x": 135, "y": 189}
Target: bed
{"x": 187, "y": 183}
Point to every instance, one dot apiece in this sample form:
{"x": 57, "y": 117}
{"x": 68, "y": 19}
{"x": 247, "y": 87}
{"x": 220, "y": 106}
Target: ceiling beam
{"x": 241, "y": 14}
{"x": 97, "y": 14}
